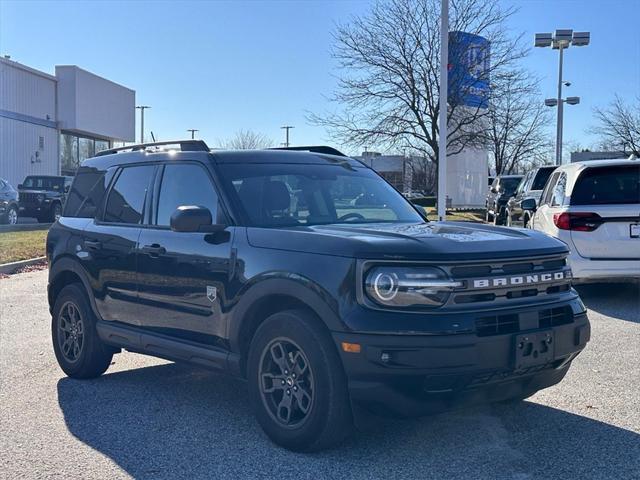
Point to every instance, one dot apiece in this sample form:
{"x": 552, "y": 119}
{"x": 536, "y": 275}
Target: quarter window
{"x": 126, "y": 199}
{"x": 185, "y": 184}
{"x": 557, "y": 197}
{"x": 548, "y": 190}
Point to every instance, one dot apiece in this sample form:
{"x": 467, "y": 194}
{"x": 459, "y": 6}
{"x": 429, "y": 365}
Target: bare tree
{"x": 247, "y": 140}
{"x": 619, "y": 125}
{"x": 516, "y": 136}
{"x": 389, "y": 82}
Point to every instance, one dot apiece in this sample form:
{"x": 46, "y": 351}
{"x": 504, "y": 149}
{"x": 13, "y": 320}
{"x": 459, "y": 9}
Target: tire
{"x": 487, "y": 216}
{"x": 507, "y": 216}
{"x": 498, "y": 218}
{"x": 11, "y": 217}
{"x": 281, "y": 347}
{"x": 55, "y": 212}
{"x": 92, "y": 357}
{"x": 525, "y": 220}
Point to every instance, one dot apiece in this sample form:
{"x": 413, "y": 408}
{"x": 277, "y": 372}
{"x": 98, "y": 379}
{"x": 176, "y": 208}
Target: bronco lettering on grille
{"x": 519, "y": 280}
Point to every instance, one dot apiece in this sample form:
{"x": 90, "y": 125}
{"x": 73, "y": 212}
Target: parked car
{"x": 43, "y": 196}
{"x": 324, "y": 308}
{"x": 594, "y": 207}
{"x": 530, "y": 187}
{"x": 502, "y": 188}
{"x": 8, "y": 203}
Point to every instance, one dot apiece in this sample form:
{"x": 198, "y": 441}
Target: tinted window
{"x": 607, "y": 185}
{"x": 43, "y": 183}
{"x": 87, "y": 192}
{"x": 509, "y": 185}
{"x": 185, "y": 184}
{"x": 126, "y": 199}
{"x": 291, "y": 195}
{"x": 541, "y": 178}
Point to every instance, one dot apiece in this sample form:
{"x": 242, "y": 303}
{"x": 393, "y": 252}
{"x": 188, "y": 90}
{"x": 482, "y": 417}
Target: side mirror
{"x": 193, "y": 218}
{"x": 19, "y": 186}
{"x": 529, "y": 204}
{"x": 494, "y": 190}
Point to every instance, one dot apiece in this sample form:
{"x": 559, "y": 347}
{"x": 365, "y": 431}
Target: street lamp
{"x": 560, "y": 40}
{"x": 142, "y": 108}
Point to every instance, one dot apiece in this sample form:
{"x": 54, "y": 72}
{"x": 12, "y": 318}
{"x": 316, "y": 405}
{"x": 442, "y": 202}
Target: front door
{"x": 182, "y": 275}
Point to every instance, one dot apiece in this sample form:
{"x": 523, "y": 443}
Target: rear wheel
{"x": 297, "y": 386}
{"x": 79, "y": 350}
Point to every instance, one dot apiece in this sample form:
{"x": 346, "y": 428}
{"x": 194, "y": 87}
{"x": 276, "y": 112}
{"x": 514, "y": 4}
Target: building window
{"x": 75, "y": 149}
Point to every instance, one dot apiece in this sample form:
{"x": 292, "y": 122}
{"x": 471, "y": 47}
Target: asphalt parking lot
{"x": 148, "y": 418}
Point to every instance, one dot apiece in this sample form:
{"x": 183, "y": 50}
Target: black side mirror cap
{"x": 193, "y": 218}
{"x": 529, "y": 204}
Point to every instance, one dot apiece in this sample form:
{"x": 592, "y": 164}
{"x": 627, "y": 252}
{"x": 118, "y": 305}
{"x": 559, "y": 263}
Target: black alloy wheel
{"x": 286, "y": 382}
{"x": 70, "y": 332}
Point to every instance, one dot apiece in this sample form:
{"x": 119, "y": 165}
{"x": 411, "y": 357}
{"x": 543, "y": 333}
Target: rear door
{"x": 183, "y": 275}
{"x": 612, "y": 195}
{"x": 109, "y": 244}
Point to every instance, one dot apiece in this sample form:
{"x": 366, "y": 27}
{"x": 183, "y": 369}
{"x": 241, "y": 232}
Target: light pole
{"x": 286, "y": 128}
{"x": 560, "y": 40}
{"x": 193, "y": 132}
{"x": 142, "y": 108}
{"x": 442, "y": 124}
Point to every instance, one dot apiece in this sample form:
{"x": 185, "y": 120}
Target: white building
{"x": 50, "y": 123}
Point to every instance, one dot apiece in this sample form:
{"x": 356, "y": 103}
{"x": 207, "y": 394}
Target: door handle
{"x": 154, "y": 250}
{"x": 92, "y": 244}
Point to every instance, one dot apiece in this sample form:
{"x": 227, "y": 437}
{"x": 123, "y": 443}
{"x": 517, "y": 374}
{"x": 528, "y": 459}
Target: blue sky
{"x": 222, "y": 66}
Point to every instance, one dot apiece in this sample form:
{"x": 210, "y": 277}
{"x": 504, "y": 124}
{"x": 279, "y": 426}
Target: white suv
{"x": 594, "y": 207}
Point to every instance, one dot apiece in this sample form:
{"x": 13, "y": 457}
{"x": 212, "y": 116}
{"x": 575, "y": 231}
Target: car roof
{"x": 222, "y": 157}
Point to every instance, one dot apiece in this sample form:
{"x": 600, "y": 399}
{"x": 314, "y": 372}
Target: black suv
{"x": 500, "y": 191}
{"x": 43, "y": 196}
{"x": 273, "y": 266}
{"x": 531, "y": 186}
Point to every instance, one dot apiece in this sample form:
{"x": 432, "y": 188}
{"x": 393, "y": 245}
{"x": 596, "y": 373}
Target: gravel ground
{"x": 148, "y": 418}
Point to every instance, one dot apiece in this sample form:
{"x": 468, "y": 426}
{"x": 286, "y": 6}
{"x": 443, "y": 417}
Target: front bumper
{"x": 409, "y": 375}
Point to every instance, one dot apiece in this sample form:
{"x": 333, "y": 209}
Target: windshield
{"x": 510, "y": 184}
{"x": 293, "y": 195}
{"x": 541, "y": 178}
{"x": 43, "y": 183}
{"x": 607, "y": 185}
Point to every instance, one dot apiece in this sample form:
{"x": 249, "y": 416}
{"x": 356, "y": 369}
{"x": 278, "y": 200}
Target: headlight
{"x": 408, "y": 286}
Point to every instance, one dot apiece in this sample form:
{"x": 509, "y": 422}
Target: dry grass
{"x": 15, "y": 246}
{"x": 470, "y": 216}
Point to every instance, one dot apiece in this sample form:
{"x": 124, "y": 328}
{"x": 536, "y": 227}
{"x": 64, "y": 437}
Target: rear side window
{"x": 126, "y": 199}
{"x": 185, "y": 184}
{"x": 541, "y": 178}
{"x": 87, "y": 192}
{"x": 557, "y": 195}
{"x": 617, "y": 184}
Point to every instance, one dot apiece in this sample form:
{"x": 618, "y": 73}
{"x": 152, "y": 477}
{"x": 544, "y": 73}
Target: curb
{"x": 9, "y": 268}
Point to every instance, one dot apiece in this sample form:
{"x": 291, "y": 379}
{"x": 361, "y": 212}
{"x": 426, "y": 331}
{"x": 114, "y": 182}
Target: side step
{"x": 169, "y": 348}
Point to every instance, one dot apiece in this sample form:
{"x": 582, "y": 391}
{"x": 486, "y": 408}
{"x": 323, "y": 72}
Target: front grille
{"x": 28, "y": 197}
{"x": 485, "y": 283}
{"x": 504, "y": 324}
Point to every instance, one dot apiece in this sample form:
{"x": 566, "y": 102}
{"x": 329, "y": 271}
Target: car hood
{"x": 439, "y": 241}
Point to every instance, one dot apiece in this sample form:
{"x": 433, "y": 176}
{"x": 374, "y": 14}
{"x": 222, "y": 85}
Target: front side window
{"x": 126, "y": 199}
{"x": 509, "y": 185}
{"x": 304, "y": 195}
{"x": 618, "y": 184}
{"x": 185, "y": 184}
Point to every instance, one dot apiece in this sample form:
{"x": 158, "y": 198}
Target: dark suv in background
{"x": 43, "y": 196}
{"x": 531, "y": 186}
{"x": 500, "y": 191}
{"x": 278, "y": 267}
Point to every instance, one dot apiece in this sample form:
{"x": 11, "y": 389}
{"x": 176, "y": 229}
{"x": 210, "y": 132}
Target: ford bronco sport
{"x": 263, "y": 264}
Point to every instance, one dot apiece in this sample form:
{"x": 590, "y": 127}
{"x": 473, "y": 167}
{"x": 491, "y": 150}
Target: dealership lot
{"x": 147, "y": 418}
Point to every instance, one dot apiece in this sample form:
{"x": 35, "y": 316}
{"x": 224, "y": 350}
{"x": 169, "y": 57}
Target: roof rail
{"x": 314, "y": 148}
{"x": 185, "y": 146}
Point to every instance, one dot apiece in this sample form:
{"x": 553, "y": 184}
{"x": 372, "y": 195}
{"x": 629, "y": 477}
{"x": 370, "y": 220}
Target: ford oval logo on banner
{"x": 469, "y": 56}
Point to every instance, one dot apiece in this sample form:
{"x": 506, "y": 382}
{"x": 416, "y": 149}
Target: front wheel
{"x": 297, "y": 385}
{"x": 498, "y": 218}
{"x": 56, "y": 212}
{"x": 11, "y": 218}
